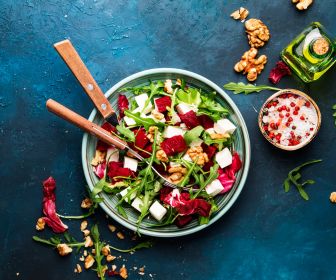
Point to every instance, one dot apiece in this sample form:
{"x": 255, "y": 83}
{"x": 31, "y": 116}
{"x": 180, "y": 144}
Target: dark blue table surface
{"x": 267, "y": 234}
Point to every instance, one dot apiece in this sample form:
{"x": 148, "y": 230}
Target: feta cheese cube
{"x": 130, "y": 163}
{"x": 183, "y": 108}
{"x": 210, "y": 130}
{"x": 224, "y": 158}
{"x": 112, "y": 154}
{"x": 124, "y": 192}
{"x": 171, "y": 131}
{"x": 129, "y": 121}
{"x": 137, "y": 203}
{"x": 157, "y": 211}
{"x": 214, "y": 188}
{"x": 141, "y": 101}
{"x": 195, "y": 143}
{"x": 224, "y": 126}
{"x": 186, "y": 157}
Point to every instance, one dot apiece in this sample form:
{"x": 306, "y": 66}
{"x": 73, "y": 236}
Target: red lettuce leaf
{"x": 162, "y": 103}
{"x": 173, "y": 145}
{"x": 49, "y": 207}
{"x": 99, "y": 170}
{"x": 280, "y": 70}
{"x": 205, "y": 121}
{"x": 194, "y": 206}
{"x": 102, "y": 146}
{"x": 190, "y": 119}
{"x": 122, "y": 105}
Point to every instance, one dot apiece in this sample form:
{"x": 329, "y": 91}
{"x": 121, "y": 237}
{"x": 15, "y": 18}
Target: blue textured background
{"x": 266, "y": 235}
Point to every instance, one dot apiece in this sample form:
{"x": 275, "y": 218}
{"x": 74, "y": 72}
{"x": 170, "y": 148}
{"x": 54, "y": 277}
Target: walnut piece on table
{"x": 240, "y": 14}
{"x": 257, "y": 32}
{"x": 251, "y": 65}
{"x": 302, "y": 4}
{"x": 333, "y": 197}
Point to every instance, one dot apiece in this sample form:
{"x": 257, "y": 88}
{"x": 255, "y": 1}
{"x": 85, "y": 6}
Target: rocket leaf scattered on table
{"x": 247, "y": 88}
{"x": 294, "y": 176}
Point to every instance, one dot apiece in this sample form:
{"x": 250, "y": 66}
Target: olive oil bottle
{"x": 311, "y": 53}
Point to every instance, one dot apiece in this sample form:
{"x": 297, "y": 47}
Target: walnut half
{"x": 302, "y": 4}
{"x": 257, "y": 32}
{"x": 251, "y": 65}
{"x": 240, "y": 14}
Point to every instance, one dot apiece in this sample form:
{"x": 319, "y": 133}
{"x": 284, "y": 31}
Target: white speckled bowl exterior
{"x": 241, "y": 145}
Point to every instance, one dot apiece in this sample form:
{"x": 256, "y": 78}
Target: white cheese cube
{"x": 112, "y": 154}
{"x": 224, "y": 158}
{"x": 210, "y": 130}
{"x": 195, "y": 143}
{"x": 125, "y": 192}
{"x": 224, "y": 126}
{"x": 137, "y": 204}
{"x": 186, "y": 157}
{"x": 157, "y": 211}
{"x": 129, "y": 121}
{"x": 171, "y": 131}
{"x": 175, "y": 118}
{"x": 214, "y": 188}
{"x": 141, "y": 101}
{"x": 131, "y": 163}
{"x": 183, "y": 108}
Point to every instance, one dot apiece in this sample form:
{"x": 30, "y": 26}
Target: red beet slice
{"x": 280, "y": 70}
{"x": 115, "y": 169}
{"x": 162, "y": 103}
{"x": 49, "y": 207}
{"x": 205, "y": 121}
{"x": 174, "y": 145}
{"x": 141, "y": 139}
{"x": 190, "y": 119}
{"x": 209, "y": 150}
{"x": 122, "y": 105}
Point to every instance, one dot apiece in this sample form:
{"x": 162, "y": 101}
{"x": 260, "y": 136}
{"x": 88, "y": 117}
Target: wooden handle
{"x": 70, "y": 116}
{"x": 83, "y": 75}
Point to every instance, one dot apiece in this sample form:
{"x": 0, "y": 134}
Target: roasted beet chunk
{"x": 122, "y": 104}
{"x": 162, "y": 103}
{"x": 190, "y": 119}
{"x": 115, "y": 169}
{"x": 174, "y": 145}
{"x": 141, "y": 139}
{"x": 205, "y": 121}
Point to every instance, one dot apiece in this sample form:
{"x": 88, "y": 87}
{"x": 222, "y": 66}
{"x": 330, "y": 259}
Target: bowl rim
{"x": 302, "y": 94}
{"x": 247, "y": 148}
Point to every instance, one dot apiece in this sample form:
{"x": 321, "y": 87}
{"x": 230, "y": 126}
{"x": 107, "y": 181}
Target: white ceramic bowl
{"x": 241, "y": 145}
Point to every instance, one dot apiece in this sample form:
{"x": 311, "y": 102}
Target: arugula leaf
{"x": 189, "y": 96}
{"x": 99, "y": 186}
{"x": 208, "y": 140}
{"x": 121, "y": 211}
{"x": 193, "y": 134}
{"x": 294, "y": 175}
{"x": 211, "y": 107}
{"x": 212, "y": 176}
{"x": 142, "y": 245}
{"x": 126, "y": 132}
{"x": 55, "y": 240}
{"x": 98, "y": 256}
{"x": 247, "y": 88}
{"x": 145, "y": 122}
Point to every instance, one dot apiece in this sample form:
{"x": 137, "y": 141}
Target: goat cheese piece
{"x": 195, "y": 143}
{"x": 183, "y": 108}
{"x": 224, "y": 126}
{"x": 171, "y": 131}
{"x": 125, "y": 192}
{"x": 112, "y": 154}
{"x": 131, "y": 163}
{"x": 141, "y": 101}
{"x": 224, "y": 158}
{"x": 137, "y": 203}
{"x": 129, "y": 121}
{"x": 157, "y": 211}
{"x": 210, "y": 130}
{"x": 214, "y": 188}
{"x": 186, "y": 157}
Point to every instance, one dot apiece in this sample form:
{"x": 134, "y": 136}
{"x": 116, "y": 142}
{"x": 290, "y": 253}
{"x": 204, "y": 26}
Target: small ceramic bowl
{"x": 284, "y": 123}
{"x": 241, "y": 145}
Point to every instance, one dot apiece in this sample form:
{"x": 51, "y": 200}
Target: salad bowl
{"x": 241, "y": 145}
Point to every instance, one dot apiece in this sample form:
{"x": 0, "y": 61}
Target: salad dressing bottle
{"x": 311, "y": 53}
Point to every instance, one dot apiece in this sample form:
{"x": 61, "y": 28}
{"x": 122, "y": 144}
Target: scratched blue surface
{"x": 266, "y": 235}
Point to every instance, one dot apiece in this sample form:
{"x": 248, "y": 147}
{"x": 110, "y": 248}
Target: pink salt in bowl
{"x": 289, "y": 119}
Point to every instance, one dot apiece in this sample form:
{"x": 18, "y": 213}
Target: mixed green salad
{"x": 186, "y": 135}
